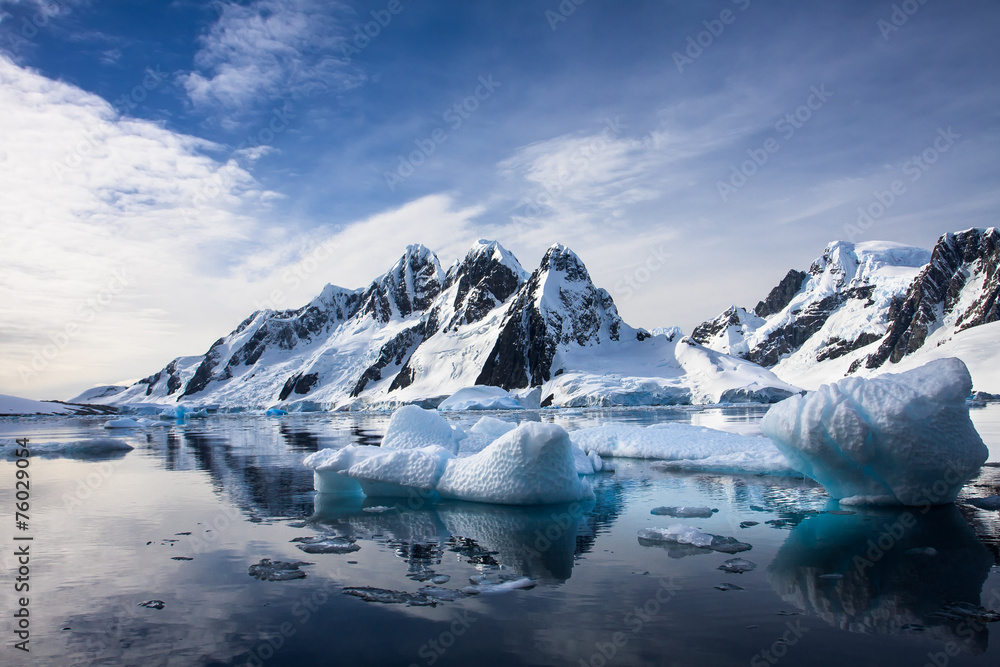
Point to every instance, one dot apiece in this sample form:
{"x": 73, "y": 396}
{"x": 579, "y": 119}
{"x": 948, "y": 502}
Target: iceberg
{"x": 398, "y": 472}
{"x": 480, "y": 397}
{"x": 124, "y": 422}
{"x": 412, "y": 427}
{"x": 90, "y": 449}
{"x": 896, "y": 439}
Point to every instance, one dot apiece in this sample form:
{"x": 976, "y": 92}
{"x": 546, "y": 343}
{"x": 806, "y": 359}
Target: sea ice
{"x": 685, "y": 446}
{"x": 901, "y": 439}
{"x": 681, "y": 534}
{"x": 124, "y": 422}
{"x": 268, "y": 570}
{"x": 93, "y": 448}
{"x": 480, "y": 397}
{"x": 738, "y": 565}
{"x": 323, "y": 544}
{"x": 386, "y": 596}
{"x": 684, "y": 512}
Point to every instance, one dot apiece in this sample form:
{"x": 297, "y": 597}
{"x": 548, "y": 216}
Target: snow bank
{"x": 683, "y": 446}
{"x": 531, "y": 465}
{"x": 896, "y": 439}
{"x": 480, "y": 397}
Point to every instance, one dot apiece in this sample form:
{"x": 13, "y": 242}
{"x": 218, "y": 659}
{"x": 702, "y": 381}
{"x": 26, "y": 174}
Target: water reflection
{"x": 542, "y": 543}
{"x": 890, "y": 571}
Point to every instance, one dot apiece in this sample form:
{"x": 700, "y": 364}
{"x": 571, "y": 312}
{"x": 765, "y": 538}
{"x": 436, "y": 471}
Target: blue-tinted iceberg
{"x": 900, "y": 439}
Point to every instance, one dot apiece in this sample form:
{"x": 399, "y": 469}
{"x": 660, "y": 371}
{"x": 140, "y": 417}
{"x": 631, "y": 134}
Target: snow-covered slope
{"x": 13, "y": 405}
{"x": 419, "y": 333}
{"x": 864, "y": 308}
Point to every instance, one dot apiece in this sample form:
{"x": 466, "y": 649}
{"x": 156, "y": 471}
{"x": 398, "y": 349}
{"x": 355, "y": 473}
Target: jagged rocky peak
{"x": 959, "y": 288}
{"x": 486, "y": 277}
{"x": 728, "y": 330}
{"x": 409, "y": 286}
{"x": 557, "y": 306}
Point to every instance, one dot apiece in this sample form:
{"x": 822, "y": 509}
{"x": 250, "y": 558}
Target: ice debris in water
{"x": 901, "y": 439}
{"x": 125, "y": 422}
{"x": 738, "y": 565}
{"x": 386, "y": 596}
{"x": 377, "y": 509}
{"x": 320, "y": 544}
{"x": 497, "y": 583}
{"x": 92, "y": 448}
{"x": 730, "y": 587}
{"x": 681, "y": 534}
{"x": 685, "y": 512}
{"x": 268, "y": 570}
{"x": 443, "y": 594}
{"x": 152, "y": 604}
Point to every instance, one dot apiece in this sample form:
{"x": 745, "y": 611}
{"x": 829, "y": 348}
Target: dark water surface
{"x": 863, "y": 588}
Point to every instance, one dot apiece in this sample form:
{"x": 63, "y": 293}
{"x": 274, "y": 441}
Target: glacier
{"x": 897, "y": 439}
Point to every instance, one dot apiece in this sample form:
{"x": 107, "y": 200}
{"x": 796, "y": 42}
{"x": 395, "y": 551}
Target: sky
{"x": 166, "y": 168}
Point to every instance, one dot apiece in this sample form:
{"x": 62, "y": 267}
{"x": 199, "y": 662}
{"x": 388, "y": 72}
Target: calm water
{"x": 229, "y": 491}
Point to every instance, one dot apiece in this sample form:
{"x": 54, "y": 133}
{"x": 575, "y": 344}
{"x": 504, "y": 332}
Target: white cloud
{"x": 265, "y": 50}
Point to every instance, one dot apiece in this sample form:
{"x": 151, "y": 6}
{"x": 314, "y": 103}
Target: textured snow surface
{"x": 895, "y": 439}
{"x": 531, "y": 465}
{"x": 496, "y": 462}
{"x": 480, "y": 398}
{"x": 411, "y": 427}
{"x": 683, "y": 446}
{"x": 13, "y": 405}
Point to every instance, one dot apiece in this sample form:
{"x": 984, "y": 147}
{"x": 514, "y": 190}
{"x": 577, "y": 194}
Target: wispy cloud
{"x": 266, "y": 50}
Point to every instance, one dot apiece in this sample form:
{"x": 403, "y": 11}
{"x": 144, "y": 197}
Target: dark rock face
{"x": 706, "y": 331}
{"x": 395, "y": 352}
{"x": 792, "y": 336}
{"x": 782, "y": 294}
{"x": 203, "y": 374}
{"x": 483, "y": 283}
{"x": 410, "y": 286}
{"x": 957, "y": 260}
{"x": 526, "y": 346}
{"x": 299, "y": 383}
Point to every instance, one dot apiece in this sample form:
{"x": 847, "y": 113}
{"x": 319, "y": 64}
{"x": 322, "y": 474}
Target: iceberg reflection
{"x": 888, "y": 572}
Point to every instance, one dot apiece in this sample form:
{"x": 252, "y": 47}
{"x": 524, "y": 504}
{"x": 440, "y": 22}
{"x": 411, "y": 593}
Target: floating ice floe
{"x": 387, "y": 596}
{"x": 93, "y": 448}
{"x": 496, "y": 462}
{"x": 685, "y": 447}
{"x": 688, "y": 535}
{"x": 480, "y": 397}
{"x": 900, "y": 439}
{"x": 684, "y": 512}
{"x": 268, "y": 570}
{"x": 124, "y": 422}
{"x": 325, "y": 544}
{"x": 738, "y": 565}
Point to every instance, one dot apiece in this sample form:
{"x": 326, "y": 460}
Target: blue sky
{"x": 170, "y": 166}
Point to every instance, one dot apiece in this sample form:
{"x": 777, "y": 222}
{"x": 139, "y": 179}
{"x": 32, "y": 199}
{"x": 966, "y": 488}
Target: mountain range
{"x": 419, "y": 333}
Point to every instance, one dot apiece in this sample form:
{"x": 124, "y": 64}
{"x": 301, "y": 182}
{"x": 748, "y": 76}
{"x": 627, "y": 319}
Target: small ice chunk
{"x": 387, "y": 596}
{"x": 903, "y": 439}
{"x": 152, "y": 604}
{"x": 681, "y": 534}
{"x": 748, "y": 524}
{"x": 275, "y": 412}
{"x": 320, "y": 544}
{"x": 268, "y": 570}
{"x": 124, "y": 422}
{"x": 730, "y": 587}
{"x": 377, "y": 509}
{"x": 498, "y": 584}
{"x": 684, "y": 512}
{"x": 738, "y": 565}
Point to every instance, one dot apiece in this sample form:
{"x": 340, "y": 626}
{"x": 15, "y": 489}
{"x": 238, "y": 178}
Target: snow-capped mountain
{"x": 874, "y": 307}
{"x": 419, "y": 333}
